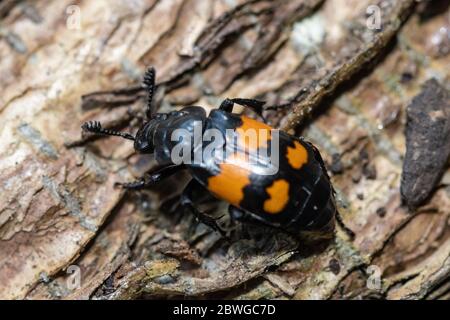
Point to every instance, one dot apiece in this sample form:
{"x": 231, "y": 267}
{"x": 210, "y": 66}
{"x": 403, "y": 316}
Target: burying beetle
{"x": 294, "y": 195}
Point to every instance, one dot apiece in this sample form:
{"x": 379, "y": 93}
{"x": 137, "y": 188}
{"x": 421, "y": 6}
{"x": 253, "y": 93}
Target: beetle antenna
{"x": 96, "y": 127}
{"x": 149, "y": 84}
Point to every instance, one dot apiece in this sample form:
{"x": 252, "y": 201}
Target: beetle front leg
{"x": 253, "y": 104}
{"x": 187, "y": 201}
{"x": 226, "y": 105}
{"x": 150, "y": 179}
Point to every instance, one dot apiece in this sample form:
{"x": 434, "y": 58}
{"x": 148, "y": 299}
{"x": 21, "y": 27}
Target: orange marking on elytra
{"x": 279, "y": 196}
{"x": 297, "y": 155}
{"x": 253, "y": 134}
{"x": 234, "y": 176}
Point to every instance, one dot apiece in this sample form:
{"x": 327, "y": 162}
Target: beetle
{"x": 293, "y": 193}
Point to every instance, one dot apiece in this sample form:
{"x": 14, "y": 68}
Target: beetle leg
{"x": 187, "y": 201}
{"x": 240, "y": 215}
{"x": 150, "y": 179}
{"x": 254, "y": 105}
{"x": 346, "y": 229}
{"x": 227, "y": 105}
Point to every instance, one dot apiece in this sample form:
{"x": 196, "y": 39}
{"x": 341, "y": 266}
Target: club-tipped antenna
{"x": 96, "y": 127}
{"x": 149, "y": 84}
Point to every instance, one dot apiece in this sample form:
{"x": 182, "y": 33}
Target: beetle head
{"x": 143, "y": 142}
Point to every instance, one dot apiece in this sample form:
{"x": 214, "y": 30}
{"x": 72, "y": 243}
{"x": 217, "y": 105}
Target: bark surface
{"x": 345, "y": 83}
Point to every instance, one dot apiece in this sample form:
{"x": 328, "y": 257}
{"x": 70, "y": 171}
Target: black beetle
{"x": 293, "y": 193}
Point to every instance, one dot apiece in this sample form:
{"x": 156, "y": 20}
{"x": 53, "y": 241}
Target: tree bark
{"x": 344, "y": 83}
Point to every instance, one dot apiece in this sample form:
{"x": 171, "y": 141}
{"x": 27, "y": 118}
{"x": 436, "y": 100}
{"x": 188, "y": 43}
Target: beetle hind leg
{"x": 246, "y": 217}
{"x": 344, "y": 227}
{"x": 187, "y": 201}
